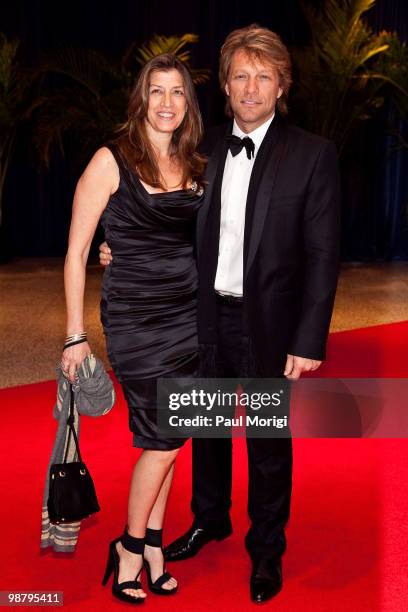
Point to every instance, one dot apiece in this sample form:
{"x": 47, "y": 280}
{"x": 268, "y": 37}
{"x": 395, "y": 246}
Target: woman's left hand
{"x": 72, "y": 358}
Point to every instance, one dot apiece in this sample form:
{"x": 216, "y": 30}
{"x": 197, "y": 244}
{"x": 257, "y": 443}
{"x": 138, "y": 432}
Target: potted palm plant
{"x": 72, "y": 97}
{"x": 10, "y": 116}
{"x": 347, "y": 71}
{"x": 84, "y": 94}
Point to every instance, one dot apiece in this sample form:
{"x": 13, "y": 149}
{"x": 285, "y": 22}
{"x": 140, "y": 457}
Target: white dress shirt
{"x": 234, "y": 192}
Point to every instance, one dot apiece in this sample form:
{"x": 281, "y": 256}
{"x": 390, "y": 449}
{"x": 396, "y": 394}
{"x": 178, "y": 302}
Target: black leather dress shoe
{"x": 193, "y": 540}
{"x": 266, "y": 579}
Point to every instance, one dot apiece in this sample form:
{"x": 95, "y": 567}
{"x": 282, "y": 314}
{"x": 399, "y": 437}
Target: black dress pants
{"x": 269, "y": 462}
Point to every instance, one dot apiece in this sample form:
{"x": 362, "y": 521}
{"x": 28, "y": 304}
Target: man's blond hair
{"x": 261, "y": 44}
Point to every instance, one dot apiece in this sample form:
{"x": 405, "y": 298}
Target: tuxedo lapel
{"x": 261, "y": 187}
{"x": 216, "y": 160}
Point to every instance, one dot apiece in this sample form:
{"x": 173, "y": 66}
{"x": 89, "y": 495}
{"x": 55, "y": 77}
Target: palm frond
{"x": 172, "y": 44}
{"x": 346, "y": 69}
{"x": 84, "y": 66}
{"x": 9, "y": 105}
{"x": 8, "y": 52}
{"x": 166, "y": 44}
{"x": 200, "y": 75}
{"x": 84, "y": 93}
{"x": 9, "y": 80}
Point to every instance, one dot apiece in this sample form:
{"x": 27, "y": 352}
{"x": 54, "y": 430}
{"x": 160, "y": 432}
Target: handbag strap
{"x": 71, "y": 427}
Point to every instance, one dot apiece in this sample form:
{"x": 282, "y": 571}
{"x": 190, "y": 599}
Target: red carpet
{"x": 347, "y": 538}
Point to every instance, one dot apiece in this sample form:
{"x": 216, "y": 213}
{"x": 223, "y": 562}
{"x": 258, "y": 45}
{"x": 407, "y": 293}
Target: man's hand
{"x": 105, "y": 256}
{"x": 296, "y": 365}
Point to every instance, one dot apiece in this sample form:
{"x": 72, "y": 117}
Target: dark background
{"x": 38, "y": 202}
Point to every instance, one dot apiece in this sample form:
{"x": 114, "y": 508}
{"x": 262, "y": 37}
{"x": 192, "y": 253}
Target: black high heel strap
{"x": 130, "y": 584}
{"x": 154, "y": 537}
{"x": 132, "y": 544}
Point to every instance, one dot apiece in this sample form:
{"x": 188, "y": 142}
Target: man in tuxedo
{"x": 267, "y": 246}
{"x": 268, "y": 250}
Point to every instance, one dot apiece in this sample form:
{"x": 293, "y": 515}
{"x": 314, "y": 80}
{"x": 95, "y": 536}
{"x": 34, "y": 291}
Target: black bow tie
{"x": 236, "y": 145}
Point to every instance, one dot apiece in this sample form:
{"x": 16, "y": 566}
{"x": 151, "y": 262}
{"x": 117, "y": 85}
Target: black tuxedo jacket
{"x": 291, "y": 243}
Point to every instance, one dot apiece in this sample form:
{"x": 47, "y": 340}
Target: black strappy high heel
{"x": 134, "y": 545}
{"x": 154, "y": 538}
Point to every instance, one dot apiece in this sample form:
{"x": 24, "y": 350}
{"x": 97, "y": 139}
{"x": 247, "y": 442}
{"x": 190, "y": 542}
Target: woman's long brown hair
{"x": 133, "y": 141}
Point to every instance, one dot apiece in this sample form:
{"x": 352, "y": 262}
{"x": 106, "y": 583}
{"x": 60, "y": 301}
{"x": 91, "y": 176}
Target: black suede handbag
{"x": 72, "y": 495}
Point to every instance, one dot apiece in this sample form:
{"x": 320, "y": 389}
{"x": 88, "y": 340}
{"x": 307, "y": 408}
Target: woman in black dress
{"x": 146, "y": 188}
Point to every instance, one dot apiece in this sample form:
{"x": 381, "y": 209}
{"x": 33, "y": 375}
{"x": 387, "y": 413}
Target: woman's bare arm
{"x": 99, "y": 180}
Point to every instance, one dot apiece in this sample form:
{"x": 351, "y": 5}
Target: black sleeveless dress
{"x": 149, "y": 295}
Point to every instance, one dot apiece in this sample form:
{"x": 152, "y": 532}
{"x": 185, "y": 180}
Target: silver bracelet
{"x": 74, "y": 337}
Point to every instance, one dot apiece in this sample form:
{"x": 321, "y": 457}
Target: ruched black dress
{"x": 148, "y": 305}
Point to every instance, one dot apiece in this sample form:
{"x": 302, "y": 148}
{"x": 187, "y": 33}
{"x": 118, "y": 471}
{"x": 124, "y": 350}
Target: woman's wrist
{"x": 68, "y": 344}
{"x": 76, "y": 338}
{"x": 72, "y": 329}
